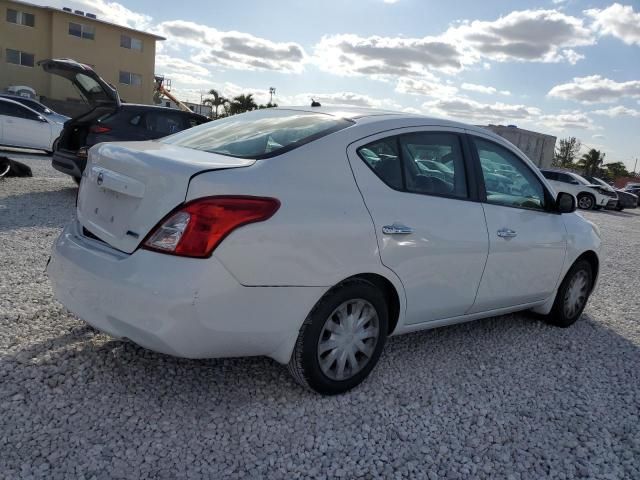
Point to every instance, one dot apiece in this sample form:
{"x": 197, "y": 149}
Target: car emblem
{"x": 100, "y": 179}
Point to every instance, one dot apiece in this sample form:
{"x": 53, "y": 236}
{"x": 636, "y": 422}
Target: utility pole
{"x": 635, "y": 166}
{"x": 272, "y": 92}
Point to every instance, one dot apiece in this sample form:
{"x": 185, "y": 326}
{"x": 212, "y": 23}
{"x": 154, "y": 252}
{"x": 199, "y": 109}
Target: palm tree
{"x": 591, "y": 162}
{"x": 216, "y": 101}
{"x": 242, "y": 103}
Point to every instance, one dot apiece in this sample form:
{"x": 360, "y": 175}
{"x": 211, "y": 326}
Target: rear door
{"x": 430, "y": 229}
{"x": 527, "y": 240}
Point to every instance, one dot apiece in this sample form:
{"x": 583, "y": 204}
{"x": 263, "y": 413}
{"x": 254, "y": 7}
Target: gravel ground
{"x": 506, "y": 397}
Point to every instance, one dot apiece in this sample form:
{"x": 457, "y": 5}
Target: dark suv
{"x": 109, "y": 120}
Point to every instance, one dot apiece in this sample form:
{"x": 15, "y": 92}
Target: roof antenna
{"x": 314, "y": 103}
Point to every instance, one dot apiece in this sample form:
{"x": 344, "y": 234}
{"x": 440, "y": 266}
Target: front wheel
{"x": 586, "y": 201}
{"x": 342, "y": 338}
{"x": 572, "y": 295}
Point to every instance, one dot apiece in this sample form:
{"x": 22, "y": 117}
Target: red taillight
{"x": 197, "y": 228}
{"x": 99, "y": 129}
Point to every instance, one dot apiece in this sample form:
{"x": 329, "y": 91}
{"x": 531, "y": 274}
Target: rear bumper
{"x": 184, "y": 307}
{"x": 68, "y": 162}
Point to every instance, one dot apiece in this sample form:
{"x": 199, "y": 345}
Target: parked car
{"x": 21, "y": 126}
{"x": 109, "y": 120}
{"x": 590, "y": 196}
{"x": 633, "y": 188}
{"x": 311, "y": 234}
{"x": 38, "y": 107}
{"x": 625, "y": 199}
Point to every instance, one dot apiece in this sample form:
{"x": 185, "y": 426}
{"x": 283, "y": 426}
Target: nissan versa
{"x": 310, "y": 235}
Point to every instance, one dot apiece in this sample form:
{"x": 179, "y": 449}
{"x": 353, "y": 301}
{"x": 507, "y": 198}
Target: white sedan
{"x": 310, "y": 235}
{"x": 21, "y": 126}
{"x": 590, "y": 195}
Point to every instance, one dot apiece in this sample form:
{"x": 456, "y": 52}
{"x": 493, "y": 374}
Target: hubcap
{"x": 585, "y": 202}
{"x": 576, "y": 294}
{"x": 348, "y": 339}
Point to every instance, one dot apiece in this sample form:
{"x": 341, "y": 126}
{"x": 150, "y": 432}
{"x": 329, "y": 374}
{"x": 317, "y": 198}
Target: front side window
{"x": 87, "y": 32}
{"x": 260, "y": 133}
{"x": 20, "y": 58}
{"x": 433, "y": 164}
{"x": 507, "y": 180}
{"x": 16, "y": 111}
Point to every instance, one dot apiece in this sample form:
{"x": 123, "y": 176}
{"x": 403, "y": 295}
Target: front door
{"x": 23, "y": 127}
{"x": 430, "y": 230}
{"x": 527, "y": 241}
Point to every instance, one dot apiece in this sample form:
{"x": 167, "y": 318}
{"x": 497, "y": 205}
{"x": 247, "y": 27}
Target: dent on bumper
{"x": 179, "y": 306}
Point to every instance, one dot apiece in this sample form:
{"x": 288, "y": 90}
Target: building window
{"x": 128, "y": 78}
{"x": 131, "y": 43}
{"x": 21, "y": 18}
{"x": 20, "y": 58}
{"x": 82, "y": 31}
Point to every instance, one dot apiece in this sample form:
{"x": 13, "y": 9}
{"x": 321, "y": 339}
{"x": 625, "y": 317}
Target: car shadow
{"x": 49, "y": 208}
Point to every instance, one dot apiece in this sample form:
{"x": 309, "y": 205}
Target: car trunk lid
{"x": 129, "y": 187}
{"x": 90, "y": 85}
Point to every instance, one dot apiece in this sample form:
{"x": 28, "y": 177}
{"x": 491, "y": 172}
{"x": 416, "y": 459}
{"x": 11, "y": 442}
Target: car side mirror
{"x": 565, "y": 203}
{"x": 41, "y": 118}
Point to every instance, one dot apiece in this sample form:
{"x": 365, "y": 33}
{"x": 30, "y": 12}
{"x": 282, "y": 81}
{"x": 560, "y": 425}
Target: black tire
{"x": 619, "y": 208}
{"x": 77, "y": 180}
{"x": 559, "y": 316}
{"x": 305, "y": 366}
{"x": 586, "y": 201}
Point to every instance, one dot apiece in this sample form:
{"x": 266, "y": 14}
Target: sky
{"x": 562, "y": 67}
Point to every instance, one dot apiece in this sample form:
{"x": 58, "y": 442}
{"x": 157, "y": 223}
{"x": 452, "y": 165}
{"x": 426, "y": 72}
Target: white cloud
{"x": 568, "y": 120}
{"x": 527, "y": 35}
{"x": 113, "y": 12}
{"x": 390, "y": 1}
{"x": 595, "y": 89}
{"x": 241, "y": 51}
{"x": 350, "y": 54}
{"x": 618, "y": 111}
{"x": 473, "y": 87}
{"x": 431, "y": 88}
{"x": 617, "y": 20}
{"x": 598, "y": 136}
{"x": 473, "y": 111}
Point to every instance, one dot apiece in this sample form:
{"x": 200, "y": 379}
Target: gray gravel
{"x": 506, "y": 397}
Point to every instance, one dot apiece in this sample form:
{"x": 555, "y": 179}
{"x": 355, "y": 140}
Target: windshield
{"x": 259, "y": 134}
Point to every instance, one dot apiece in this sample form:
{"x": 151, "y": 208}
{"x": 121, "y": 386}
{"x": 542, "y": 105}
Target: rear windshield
{"x": 259, "y": 134}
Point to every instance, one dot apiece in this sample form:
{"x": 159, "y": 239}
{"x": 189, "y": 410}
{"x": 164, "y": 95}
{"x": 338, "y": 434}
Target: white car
{"x": 309, "y": 235}
{"x": 21, "y": 126}
{"x": 589, "y": 195}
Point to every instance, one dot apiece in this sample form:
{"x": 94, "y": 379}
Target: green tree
{"x": 591, "y": 162}
{"x": 242, "y": 103}
{"x": 615, "y": 170}
{"x": 268, "y": 105}
{"x": 566, "y": 152}
{"x": 216, "y": 101}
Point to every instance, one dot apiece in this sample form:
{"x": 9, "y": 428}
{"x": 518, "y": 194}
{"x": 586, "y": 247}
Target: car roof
{"x": 372, "y": 115}
{"x": 17, "y": 98}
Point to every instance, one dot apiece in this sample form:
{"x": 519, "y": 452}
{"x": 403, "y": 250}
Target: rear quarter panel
{"x": 322, "y": 232}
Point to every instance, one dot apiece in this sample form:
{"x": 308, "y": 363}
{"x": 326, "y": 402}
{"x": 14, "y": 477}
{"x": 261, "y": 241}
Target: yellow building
{"x": 29, "y": 33}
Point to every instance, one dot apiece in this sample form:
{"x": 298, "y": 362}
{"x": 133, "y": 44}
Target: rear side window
{"x": 382, "y": 157}
{"x": 549, "y": 175}
{"x": 434, "y": 164}
{"x": 259, "y": 134}
{"x": 164, "y": 123}
{"x": 429, "y": 163}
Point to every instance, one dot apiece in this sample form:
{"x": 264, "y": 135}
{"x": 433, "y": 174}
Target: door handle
{"x": 396, "y": 229}
{"x": 507, "y": 233}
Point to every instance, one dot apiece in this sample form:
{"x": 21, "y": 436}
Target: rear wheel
{"x": 342, "y": 338}
{"x": 572, "y": 295}
{"x": 586, "y": 201}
